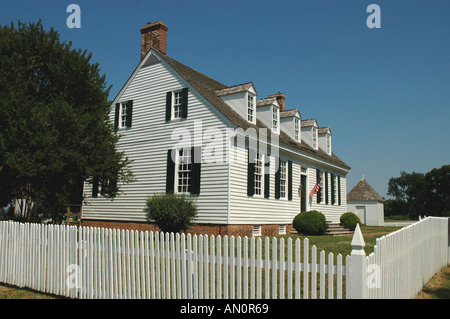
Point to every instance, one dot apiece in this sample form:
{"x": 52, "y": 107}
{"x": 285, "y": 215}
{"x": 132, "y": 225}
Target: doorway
{"x": 361, "y": 213}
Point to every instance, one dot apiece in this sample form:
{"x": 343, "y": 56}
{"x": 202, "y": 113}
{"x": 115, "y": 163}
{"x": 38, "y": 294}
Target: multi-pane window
{"x": 328, "y": 144}
{"x": 314, "y": 137}
{"x": 123, "y": 114}
{"x": 275, "y": 118}
{"x": 283, "y": 179}
{"x": 250, "y": 108}
{"x": 184, "y": 169}
{"x": 297, "y": 129}
{"x": 259, "y": 172}
{"x": 177, "y": 100}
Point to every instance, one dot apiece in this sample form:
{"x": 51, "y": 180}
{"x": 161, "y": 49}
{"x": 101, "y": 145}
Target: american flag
{"x": 315, "y": 188}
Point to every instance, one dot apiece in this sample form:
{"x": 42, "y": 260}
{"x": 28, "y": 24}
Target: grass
{"x": 438, "y": 287}
{"x": 341, "y": 244}
{"x": 12, "y": 292}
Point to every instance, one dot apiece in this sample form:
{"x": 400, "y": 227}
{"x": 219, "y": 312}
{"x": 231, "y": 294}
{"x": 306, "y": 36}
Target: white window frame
{"x": 251, "y": 108}
{"x": 328, "y": 144}
{"x": 177, "y": 101}
{"x": 275, "y": 119}
{"x": 183, "y": 168}
{"x": 283, "y": 179}
{"x": 281, "y": 229}
{"x": 314, "y": 137}
{"x": 322, "y": 188}
{"x": 336, "y": 191}
{"x": 297, "y": 129}
{"x": 258, "y": 176}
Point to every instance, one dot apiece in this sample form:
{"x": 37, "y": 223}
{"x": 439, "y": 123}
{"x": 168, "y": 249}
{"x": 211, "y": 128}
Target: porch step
{"x": 333, "y": 230}
{"x": 337, "y": 230}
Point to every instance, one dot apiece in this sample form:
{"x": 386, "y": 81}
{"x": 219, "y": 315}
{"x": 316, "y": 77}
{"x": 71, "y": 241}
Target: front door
{"x": 303, "y": 194}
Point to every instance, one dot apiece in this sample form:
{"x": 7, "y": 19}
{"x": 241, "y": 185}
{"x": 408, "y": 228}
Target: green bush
{"x": 310, "y": 223}
{"x": 349, "y": 220}
{"x": 171, "y": 212}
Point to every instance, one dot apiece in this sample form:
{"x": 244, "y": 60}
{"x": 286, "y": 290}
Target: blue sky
{"x": 385, "y": 93}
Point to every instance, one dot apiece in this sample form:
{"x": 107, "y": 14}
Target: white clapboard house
{"x": 249, "y": 162}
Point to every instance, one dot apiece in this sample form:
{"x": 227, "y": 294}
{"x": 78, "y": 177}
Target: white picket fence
{"x": 85, "y": 262}
{"x": 407, "y": 259}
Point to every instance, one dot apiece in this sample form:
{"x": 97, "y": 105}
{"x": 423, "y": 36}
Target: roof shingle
{"x": 209, "y": 88}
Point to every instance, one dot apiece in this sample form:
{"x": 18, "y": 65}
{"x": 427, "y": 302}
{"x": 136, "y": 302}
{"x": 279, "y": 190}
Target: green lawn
{"x": 341, "y": 244}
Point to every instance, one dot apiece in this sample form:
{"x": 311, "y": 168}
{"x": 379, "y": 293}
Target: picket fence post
{"x": 357, "y": 266}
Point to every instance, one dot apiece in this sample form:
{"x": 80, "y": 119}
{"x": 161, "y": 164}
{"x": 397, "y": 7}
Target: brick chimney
{"x": 154, "y": 35}
{"x": 280, "y": 99}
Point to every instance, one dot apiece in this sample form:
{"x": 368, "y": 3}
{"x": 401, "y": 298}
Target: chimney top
{"x": 280, "y": 99}
{"x": 154, "y": 35}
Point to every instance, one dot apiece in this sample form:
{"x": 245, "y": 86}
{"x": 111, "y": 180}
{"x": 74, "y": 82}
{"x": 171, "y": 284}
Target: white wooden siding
{"x": 288, "y": 126}
{"x": 257, "y": 209}
{"x": 147, "y": 143}
{"x": 331, "y": 212}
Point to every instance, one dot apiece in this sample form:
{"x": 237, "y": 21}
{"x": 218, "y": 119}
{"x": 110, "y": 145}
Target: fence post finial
{"x": 358, "y": 242}
{"x": 357, "y": 266}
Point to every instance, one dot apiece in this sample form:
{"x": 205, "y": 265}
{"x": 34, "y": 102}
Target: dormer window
{"x": 297, "y": 129}
{"x": 328, "y": 144}
{"x": 275, "y": 119}
{"x": 250, "y": 108}
{"x": 314, "y": 137}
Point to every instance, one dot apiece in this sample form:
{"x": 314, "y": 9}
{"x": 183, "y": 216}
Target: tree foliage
{"x": 54, "y": 127}
{"x": 420, "y": 194}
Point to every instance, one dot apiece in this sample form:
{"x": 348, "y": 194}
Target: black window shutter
{"x": 168, "y": 106}
{"x": 129, "y": 113}
{"x": 326, "y": 188}
{"x": 170, "y": 176}
{"x": 95, "y": 184}
{"x": 319, "y": 193}
{"x": 267, "y": 178}
{"x": 196, "y": 170}
{"x": 116, "y": 116}
{"x": 290, "y": 180}
{"x": 278, "y": 182}
{"x": 251, "y": 173}
{"x": 339, "y": 190}
{"x": 184, "y": 103}
{"x": 333, "y": 192}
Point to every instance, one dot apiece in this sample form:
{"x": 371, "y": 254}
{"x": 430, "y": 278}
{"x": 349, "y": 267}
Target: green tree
{"x": 437, "y": 197}
{"x": 422, "y": 194}
{"x": 409, "y": 189}
{"x": 54, "y": 128}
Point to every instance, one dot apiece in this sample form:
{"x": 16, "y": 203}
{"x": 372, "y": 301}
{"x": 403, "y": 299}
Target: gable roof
{"x": 235, "y": 89}
{"x": 209, "y": 88}
{"x": 266, "y": 101}
{"x": 324, "y": 130}
{"x": 289, "y": 113}
{"x": 307, "y": 123}
{"x": 364, "y": 192}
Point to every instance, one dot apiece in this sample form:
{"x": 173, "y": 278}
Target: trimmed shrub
{"x": 349, "y": 220}
{"x": 171, "y": 212}
{"x": 310, "y": 223}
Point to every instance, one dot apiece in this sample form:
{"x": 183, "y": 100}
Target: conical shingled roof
{"x": 364, "y": 192}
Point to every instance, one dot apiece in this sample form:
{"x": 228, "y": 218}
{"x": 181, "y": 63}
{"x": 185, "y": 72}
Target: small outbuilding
{"x": 366, "y": 203}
